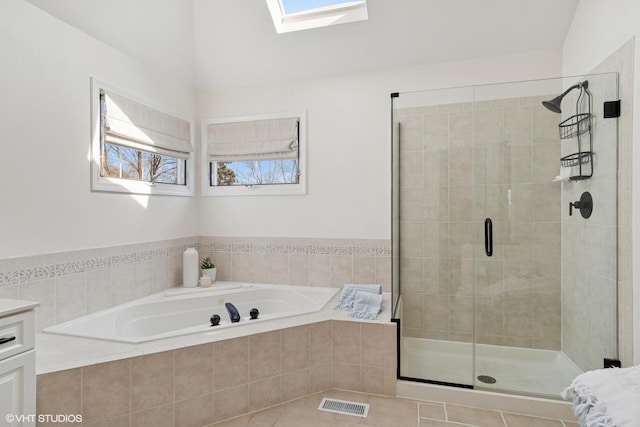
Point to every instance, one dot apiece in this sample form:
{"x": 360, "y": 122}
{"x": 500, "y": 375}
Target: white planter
{"x": 211, "y": 272}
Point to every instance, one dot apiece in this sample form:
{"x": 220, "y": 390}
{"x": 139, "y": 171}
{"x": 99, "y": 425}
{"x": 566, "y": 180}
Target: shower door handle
{"x": 488, "y": 237}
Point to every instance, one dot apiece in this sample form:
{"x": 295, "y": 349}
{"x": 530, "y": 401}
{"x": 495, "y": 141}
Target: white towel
{"x": 607, "y": 397}
{"x": 367, "y": 305}
{"x": 347, "y": 299}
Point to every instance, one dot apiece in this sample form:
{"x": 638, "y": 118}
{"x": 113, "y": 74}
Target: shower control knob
{"x": 215, "y": 320}
{"x": 254, "y": 313}
{"x": 585, "y": 205}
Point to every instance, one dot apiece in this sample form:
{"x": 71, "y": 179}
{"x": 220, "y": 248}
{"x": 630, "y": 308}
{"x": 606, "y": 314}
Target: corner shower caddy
{"x": 575, "y": 127}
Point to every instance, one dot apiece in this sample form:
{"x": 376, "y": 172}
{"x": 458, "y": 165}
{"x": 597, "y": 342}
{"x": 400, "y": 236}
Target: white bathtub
{"x": 181, "y": 311}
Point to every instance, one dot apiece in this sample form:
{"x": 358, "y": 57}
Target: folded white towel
{"x": 606, "y": 397}
{"x": 367, "y": 305}
{"x": 347, "y": 299}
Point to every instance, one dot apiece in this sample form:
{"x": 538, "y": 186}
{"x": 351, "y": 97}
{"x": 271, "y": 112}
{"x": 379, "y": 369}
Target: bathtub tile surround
{"x": 71, "y": 284}
{"x": 199, "y": 385}
{"x": 300, "y": 261}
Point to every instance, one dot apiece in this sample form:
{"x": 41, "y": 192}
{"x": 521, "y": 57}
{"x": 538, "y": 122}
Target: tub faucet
{"x": 234, "y": 315}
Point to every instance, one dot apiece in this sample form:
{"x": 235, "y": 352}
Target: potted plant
{"x": 207, "y": 268}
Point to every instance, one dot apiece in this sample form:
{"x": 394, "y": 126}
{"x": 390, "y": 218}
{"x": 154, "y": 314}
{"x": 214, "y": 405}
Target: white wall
{"x": 45, "y": 200}
{"x": 349, "y": 166}
{"x": 598, "y": 29}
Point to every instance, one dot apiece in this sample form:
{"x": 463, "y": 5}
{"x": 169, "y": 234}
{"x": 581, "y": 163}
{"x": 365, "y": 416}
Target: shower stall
{"x": 501, "y": 281}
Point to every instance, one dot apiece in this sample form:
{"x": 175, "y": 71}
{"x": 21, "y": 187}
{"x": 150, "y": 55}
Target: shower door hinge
{"x": 395, "y": 94}
{"x": 611, "y": 109}
{"x": 612, "y": 363}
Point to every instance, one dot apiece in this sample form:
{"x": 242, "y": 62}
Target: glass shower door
{"x": 538, "y": 270}
{"x": 500, "y": 282}
{"x": 434, "y": 135}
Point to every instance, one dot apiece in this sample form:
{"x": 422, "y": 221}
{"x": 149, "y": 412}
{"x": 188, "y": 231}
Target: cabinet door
{"x": 18, "y": 390}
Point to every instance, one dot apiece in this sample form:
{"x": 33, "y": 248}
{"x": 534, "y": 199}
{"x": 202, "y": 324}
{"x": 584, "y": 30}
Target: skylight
{"x": 296, "y": 15}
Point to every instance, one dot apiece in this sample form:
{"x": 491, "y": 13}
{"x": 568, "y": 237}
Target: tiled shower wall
{"x": 589, "y": 293}
{"x": 516, "y": 150}
{"x": 72, "y": 284}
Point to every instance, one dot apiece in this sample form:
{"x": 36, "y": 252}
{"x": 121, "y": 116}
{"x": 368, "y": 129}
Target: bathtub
{"x": 182, "y": 311}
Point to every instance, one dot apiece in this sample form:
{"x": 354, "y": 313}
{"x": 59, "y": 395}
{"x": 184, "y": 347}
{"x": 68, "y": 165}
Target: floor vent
{"x": 344, "y": 407}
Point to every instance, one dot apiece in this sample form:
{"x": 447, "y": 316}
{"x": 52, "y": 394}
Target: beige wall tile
{"x": 320, "y": 377}
{"x": 142, "y": 278}
{"x": 460, "y": 129}
{"x": 264, "y": 355}
{"x": 44, "y": 292}
{"x": 319, "y": 270}
{"x": 161, "y": 416}
{"x": 295, "y": 345}
{"x": 106, "y": 390}
{"x": 364, "y": 269}
{"x": 121, "y": 421}
{"x": 295, "y": 384}
{"x": 346, "y": 342}
{"x": 299, "y": 269}
{"x": 59, "y": 393}
{"x": 320, "y": 343}
{"x": 231, "y": 402}
{"x": 278, "y": 268}
{"x": 98, "y": 288}
{"x": 347, "y": 376}
{"x": 341, "y": 270}
{"x": 264, "y": 393}
{"x": 194, "y": 412}
{"x": 241, "y": 267}
{"x": 193, "y": 371}
{"x": 122, "y": 282}
{"x": 231, "y": 361}
{"x": 151, "y": 381}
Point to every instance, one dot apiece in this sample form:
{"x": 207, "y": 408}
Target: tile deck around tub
{"x": 385, "y": 412}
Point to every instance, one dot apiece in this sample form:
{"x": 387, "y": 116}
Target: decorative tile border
{"x": 348, "y": 247}
{"x": 357, "y": 248}
{"x": 50, "y": 271}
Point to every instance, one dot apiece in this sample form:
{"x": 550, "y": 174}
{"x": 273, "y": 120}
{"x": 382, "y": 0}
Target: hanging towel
{"x": 367, "y": 305}
{"x": 349, "y": 293}
{"x": 606, "y": 397}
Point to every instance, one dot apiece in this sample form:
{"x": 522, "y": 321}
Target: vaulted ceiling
{"x": 222, "y": 44}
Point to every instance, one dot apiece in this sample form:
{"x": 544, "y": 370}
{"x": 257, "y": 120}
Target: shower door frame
{"x": 478, "y": 231}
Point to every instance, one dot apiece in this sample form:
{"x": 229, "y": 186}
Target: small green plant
{"x": 206, "y": 263}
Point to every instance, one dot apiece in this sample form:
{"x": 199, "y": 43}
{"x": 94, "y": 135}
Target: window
{"x": 254, "y": 155}
{"x": 137, "y": 148}
{"x": 296, "y": 15}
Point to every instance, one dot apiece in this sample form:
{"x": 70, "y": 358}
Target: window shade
{"x": 130, "y": 124}
{"x": 253, "y": 140}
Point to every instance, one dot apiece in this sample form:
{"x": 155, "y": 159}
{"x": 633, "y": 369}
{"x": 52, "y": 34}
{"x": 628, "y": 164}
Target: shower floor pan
{"x": 518, "y": 370}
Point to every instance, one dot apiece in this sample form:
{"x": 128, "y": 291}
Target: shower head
{"x": 554, "y": 104}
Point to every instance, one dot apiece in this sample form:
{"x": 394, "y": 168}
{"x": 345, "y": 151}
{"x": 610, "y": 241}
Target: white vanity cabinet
{"x": 17, "y": 364}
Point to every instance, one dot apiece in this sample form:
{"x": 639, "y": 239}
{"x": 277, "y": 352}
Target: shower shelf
{"x": 574, "y": 126}
{"x": 576, "y": 159}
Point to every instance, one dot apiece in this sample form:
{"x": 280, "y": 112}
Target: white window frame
{"x": 255, "y": 190}
{"x": 119, "y": 185}
{"x": 330, "y": 15}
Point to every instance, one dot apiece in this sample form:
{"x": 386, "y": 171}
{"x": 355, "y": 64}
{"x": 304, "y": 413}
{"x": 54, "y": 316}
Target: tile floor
{"x": 385, "y": 412}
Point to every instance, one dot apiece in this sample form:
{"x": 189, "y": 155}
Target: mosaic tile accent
{"x": 51, "y": 271}
{"x": 360, "y": 247}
